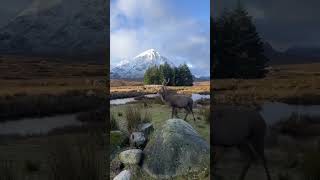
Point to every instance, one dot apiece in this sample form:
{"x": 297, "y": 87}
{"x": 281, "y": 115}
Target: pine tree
{"x": 147, "y": 75}
{"x": 166, "y": 73}
{"x": 238, "y": 49}
{"x": 177, "y": 76}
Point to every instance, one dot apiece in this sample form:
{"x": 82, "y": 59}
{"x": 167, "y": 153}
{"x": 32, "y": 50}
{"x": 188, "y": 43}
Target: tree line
{"x": 177, "y": 76}
{"x": 238, "y": 50}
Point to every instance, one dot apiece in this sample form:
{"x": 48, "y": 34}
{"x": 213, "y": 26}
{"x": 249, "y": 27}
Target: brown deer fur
{"x": 176, "y": 101}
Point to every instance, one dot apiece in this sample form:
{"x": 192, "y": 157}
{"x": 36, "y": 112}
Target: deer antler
{"x": 164, "y": 83}
{"x": 167, "y": 81}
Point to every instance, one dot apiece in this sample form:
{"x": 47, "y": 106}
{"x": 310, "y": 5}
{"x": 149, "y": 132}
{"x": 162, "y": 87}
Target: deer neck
{"x": 164, "y": 96}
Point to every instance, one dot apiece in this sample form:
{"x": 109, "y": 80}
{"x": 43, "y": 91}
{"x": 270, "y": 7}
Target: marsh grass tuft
{"x": 7, "y": 171}
{"x": 205, "y": 113}
{"x": 31, "y": 166}
{"x": 113, "y": 122}
{"x": 311, "y": 165}
{"x": 76, "y": 160}
{"x": 133, "y": 117}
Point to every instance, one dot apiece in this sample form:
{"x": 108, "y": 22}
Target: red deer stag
{"x": 176, "y": 101}
{"x": 242, "y": 128}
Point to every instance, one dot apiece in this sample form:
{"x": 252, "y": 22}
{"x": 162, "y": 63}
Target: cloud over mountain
{"x": 174, "y": 28}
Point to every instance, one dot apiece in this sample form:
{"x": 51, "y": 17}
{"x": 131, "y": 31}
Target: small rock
{"x": 124, "y": 175}
{"x": 137, "y": 139}
{"x": 146, "y": 128}
{"x": 132, "y": 156}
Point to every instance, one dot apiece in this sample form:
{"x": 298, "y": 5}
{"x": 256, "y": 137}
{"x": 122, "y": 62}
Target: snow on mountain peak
{"x": 149, "y": 54}
{"x": 135, "y": 67}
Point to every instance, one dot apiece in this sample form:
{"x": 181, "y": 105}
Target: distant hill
{"x": 294, "y": 55}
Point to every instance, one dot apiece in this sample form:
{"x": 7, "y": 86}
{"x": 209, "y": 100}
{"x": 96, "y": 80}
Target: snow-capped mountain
{"x": 57, "y": 27}
{"x": 136, "y": 67}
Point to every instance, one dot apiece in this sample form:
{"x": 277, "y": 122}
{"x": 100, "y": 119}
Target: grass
{"x": 205, "y": 113}
{"x": 294, "y": 84}
{"x": 299, "y": 126}
{"x": 96, "y": 115}
{"x": 31, "y": 166}
{"x": 133, "y": 89}
{"x": 65, "y": 156}
{"x": 133, "y": 117}
{"x": 310, "y": 168}
{"x": 7, "y": 171}
{"x": 75, "y": 161}
{"x": 23, "y": 105}
{"x": 113, "y": 123}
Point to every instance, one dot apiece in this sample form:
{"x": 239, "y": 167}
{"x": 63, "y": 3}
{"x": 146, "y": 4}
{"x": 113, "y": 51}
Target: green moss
{"x": 117, "y": 138}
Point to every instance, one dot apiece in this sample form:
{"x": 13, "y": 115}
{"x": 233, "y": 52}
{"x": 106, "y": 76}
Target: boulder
{"x": 176, "y": 149}
{"x": 124, "y": 175}
{"x": 131, "y": 156}
{"x": 137, "y": 139}
{"x": 146, "y": 128}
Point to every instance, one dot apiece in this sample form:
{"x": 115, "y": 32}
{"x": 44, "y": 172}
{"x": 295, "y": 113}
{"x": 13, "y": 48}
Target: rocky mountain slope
{"x": 57, "y": 27}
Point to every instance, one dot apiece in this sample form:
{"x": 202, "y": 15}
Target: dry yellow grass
{"x": 129, "y": 87}
{"x": 283, "y": 83}
{"x": 26, "y": 75}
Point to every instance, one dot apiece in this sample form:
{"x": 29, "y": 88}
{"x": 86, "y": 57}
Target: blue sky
{"x": 177, "y": 29}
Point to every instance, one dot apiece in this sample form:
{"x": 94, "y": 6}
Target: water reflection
{"x": 33, "y": 126}
{"x": 194, "y": 96}
{"x": 273, "y": 112}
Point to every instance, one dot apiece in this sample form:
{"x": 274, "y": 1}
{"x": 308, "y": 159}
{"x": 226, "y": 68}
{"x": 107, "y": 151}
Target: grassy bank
{"x": 293, "y": 84}
{"x": 122, "y": 88}
{"x": 24, "y": 105}
{"x": 40, "y": 86}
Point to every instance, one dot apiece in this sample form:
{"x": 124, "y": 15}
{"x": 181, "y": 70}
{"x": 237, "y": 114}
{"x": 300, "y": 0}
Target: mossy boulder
{"x": 175, "y": 150}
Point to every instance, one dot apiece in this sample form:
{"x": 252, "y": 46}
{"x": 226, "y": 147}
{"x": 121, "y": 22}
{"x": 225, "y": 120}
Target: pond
{"x": 38, "y": 126}
{"x": 194, "y": 96}
{"x": 273, "y": 112}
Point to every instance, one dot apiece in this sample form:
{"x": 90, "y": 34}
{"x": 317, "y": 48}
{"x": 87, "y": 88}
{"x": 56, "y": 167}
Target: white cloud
{"x": 154, "y": 24}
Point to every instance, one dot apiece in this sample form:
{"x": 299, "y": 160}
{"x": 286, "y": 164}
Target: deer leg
{"x": 190, "y": 108}
{"x": 265, "y": 165}
{"x": 172, "y": 112}
{"x": 247, "y": 151}
{"x": 259, "y": 149}
{"x": 185, "y": 118}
